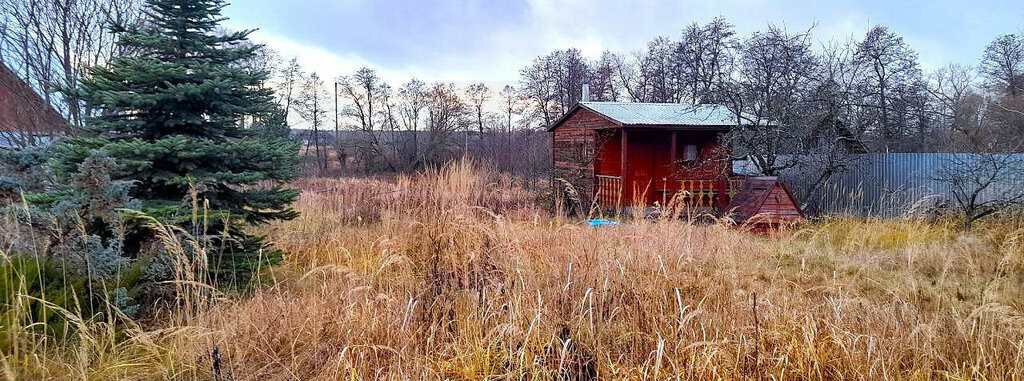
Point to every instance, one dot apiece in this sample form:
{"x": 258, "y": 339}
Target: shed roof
{"x": 23, "y": 110}
{"x": 751, "y": 206}
{"x": 657, "y": 114}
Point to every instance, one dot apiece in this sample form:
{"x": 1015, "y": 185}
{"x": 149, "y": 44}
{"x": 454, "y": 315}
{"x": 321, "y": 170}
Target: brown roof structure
{"x": 765, "y": 201}
{"x": 23, "y": 111}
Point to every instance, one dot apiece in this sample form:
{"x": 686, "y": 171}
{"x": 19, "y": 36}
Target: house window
{"x": 690, "y": 152}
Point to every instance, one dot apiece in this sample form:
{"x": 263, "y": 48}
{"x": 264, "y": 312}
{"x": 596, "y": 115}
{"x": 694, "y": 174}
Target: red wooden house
{"x": 629, "y": 154}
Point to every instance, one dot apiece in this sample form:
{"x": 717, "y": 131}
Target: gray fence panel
{"x": 883, "y": 184}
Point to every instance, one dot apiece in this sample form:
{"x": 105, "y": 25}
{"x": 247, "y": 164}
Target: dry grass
{"x": 458, "y": 274}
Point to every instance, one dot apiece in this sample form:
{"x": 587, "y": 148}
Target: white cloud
{"x": 326, "y": 63}
{"x": 446, "y": 42}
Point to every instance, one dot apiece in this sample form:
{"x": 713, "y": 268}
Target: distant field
{"x": 460, "y": 274}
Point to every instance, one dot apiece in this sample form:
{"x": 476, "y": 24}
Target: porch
{"x": 700, "y": 194}
{"x": 663, "y": 167}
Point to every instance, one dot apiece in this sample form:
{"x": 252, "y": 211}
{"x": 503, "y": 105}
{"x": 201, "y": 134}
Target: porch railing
{"x": 609, "y": 190}
{"x": 704, "y": 193}
{"x": 695, "y": 193}
{"x": 736, "y": 185}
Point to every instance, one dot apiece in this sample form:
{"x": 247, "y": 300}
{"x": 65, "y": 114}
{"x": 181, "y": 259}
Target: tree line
{"x": 799, "y": 102}
{"x": 866, "y": 94}
{"x": 361, "y": 123}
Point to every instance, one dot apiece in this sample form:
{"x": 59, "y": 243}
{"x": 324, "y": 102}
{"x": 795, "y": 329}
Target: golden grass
{"x": 459, "y": 274}
{"x": 456, "y": 274}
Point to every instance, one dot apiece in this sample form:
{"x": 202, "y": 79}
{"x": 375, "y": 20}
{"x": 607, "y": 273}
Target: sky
{"x": 489, "y": 41}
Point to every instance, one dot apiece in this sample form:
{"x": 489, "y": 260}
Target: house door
{"x": 641, "y": 152}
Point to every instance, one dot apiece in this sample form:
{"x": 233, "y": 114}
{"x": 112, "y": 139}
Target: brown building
{"x": 25, "y": 118}
{"x": 625, "y": 154}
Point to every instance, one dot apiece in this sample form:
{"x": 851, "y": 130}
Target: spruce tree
{"x": 171, "y": 116}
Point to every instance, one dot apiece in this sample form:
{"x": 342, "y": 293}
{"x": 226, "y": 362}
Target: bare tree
{"x": 512, "y": 106}
{"x": 890, "y": 89}
{"x": 1002, "y": 65}
{"x": 446, "y": 116}
{"x": 627, "y": 77}
{"x": 769, "y": 99}
{"x": 287, "y": 79}
{"x": 960, "y": 109}
{"x": 407, "y": 128}
{"x": 660, "y": 72}
{"x": 987, "y": 175}
{"x": 602, "y": 79}
{"x": 478, "y": 94}
{"x": 311, "y": 106}
{"x": 828, "y": 148}
{"x": 536, "y": 82}
{"x": 554, "y": 82}
{"x": 363, "y": 91}
{"x": 571, "y": 72}
{"x": 705, "y": 55}
{"x": 413, "y": 99}
{"x": 832, "y": 96}
{"x": 52, "y": 42}
{"x": 653, "y": 75}
{"x": 690, "y": 70}
{"x": 983, "y": 184}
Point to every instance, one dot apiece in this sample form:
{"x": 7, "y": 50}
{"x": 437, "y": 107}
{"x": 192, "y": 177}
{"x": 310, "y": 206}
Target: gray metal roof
{"x": 676, "y": 114}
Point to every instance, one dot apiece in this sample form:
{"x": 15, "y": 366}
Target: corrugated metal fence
{"x": 884, "y": 184}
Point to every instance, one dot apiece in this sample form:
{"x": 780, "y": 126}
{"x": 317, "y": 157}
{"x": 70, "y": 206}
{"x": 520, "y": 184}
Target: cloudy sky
{"x": 463, "y": 41}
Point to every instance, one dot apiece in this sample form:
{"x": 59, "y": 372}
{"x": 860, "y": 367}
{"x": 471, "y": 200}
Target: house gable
{"x": 574, "y": 145}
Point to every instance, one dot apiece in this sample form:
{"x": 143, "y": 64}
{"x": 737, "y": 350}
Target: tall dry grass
{"x": 52, "y": 328}
{"x": 62, "y": 337}
{"x": 459, "y": 274}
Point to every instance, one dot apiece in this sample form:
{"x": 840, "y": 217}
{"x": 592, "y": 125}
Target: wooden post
{"x": 672, "y": 151}
{"x": 672, "y": 165}
{"x": 624, "y": 164}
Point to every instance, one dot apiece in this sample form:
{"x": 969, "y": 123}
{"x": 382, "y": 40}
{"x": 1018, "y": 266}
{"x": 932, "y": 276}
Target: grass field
{"x": 459, "y": 274}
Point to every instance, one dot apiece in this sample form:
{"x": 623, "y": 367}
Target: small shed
{"x": 765, "y": 203}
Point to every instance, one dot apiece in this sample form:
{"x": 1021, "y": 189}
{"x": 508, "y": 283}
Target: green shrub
{"x": 33, "y": 290}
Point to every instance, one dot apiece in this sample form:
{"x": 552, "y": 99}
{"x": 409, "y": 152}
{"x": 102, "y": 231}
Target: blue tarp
{"x": 600, "y": 222}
